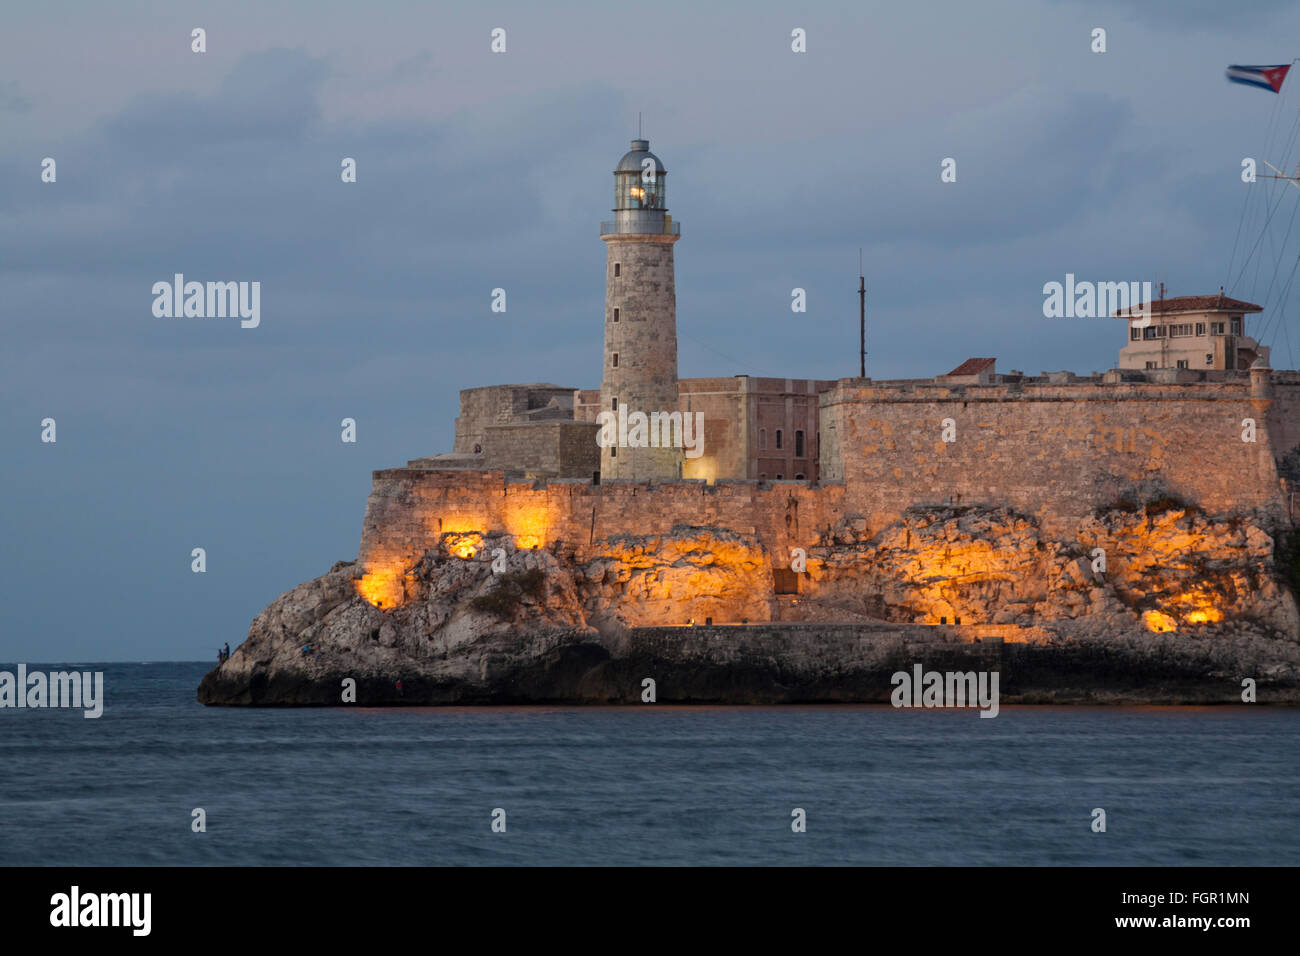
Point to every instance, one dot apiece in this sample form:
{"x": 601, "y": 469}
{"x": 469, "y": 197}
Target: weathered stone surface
{"x": 991, "y": 565}
{"x": 690, "y": 574}
{"x": 589, "y": 624}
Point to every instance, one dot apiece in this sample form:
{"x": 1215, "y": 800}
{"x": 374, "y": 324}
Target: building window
{"x": 1236, "y": 325}
{"x": 615, "y": 401}
{"x": 1151, "y": 364}
{"x": 616, "y": 314}
{"x": 762, "y": 440}
{"x": 778, "y": 442}
{"x": 1182, "y": 363}
{"x": 1178, "y": 331}
{"x": 1209, "y": 359}
{"x": 1216, "y": 328}
{"x": 1200, "y": 328}
{"x": 1134, "y": 334}
{"x": 798, "y": 444}
{"x": 798, "y": 477}
{"x": 613, "y": 451}
{"x": 780, "y": 477}
{"x": 1149, "y": 332}
{"x": 618, "y": 270}
{"x": 615, "y": 360}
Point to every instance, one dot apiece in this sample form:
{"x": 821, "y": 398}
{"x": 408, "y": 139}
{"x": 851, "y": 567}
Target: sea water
{"x": 640, "y": 784}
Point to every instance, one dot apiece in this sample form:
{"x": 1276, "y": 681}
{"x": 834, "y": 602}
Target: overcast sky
{"x": 479, "y": 170}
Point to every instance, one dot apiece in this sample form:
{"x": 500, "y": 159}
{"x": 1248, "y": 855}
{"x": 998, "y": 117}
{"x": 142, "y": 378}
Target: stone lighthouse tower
{"x": 640, "y": 317}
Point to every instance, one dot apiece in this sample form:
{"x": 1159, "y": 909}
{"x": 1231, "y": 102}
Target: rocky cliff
{"x": 1152, "y": 603}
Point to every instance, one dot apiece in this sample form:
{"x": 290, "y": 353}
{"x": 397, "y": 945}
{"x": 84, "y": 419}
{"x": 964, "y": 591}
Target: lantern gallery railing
{"x": 669, "y": 229}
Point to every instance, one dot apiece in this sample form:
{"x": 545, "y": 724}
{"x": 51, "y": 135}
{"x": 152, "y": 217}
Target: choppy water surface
{"x": 640, "y": 784}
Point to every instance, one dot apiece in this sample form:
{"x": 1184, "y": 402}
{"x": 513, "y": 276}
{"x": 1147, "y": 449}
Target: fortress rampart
{"x": 410, "y": 508}
{"x": 1054, "y": 452}
{"x": 1058, "y": 452}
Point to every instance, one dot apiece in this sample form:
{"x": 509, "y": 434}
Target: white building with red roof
{"x": 1192, "y": 332}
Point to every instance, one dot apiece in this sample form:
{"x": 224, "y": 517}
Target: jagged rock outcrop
{"x": 694, "y": 574}
{"x": 1164, "y": 568}
{"x": 477, "y": 612}
{"x": 1183, "y": 607}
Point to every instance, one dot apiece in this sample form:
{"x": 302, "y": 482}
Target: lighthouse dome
{"x": 632, "y": 160}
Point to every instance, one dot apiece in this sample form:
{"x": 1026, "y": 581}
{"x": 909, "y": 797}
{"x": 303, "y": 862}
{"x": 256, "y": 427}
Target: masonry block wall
{"x": 1056, "y": 452}
{"x": 640, "y": 369}
{"x": 722, "y": 402}
{"x": 742, "y": 415}
{"x": 559, "y": 448}
{"x": 410, "y": 508}
{"x": 491, "y": 405}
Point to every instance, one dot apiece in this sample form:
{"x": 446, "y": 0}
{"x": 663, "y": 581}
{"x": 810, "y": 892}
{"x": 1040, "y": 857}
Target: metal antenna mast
{"x": 862, "y": 318}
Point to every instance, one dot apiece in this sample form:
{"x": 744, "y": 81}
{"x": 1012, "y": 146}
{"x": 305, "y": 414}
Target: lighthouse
{"x": 640, "y": 374}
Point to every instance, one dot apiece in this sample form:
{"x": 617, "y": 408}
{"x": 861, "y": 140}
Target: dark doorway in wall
{"x": 785, "y": 581}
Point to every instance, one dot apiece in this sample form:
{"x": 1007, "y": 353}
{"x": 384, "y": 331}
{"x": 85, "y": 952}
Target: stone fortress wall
{"x": 1058, "y": 452}
{"x": 1054, "y": 452}
{"x": 495, "y": 405}
{"x": 409, "y": 509}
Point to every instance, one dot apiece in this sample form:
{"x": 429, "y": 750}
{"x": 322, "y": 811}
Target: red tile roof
{"x": 1197, "y": 303}
{"x": 973, "y": 366}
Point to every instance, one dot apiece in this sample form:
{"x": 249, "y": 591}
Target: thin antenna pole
{"x": 638, "y": 125}
{"x": 862, "y": 318}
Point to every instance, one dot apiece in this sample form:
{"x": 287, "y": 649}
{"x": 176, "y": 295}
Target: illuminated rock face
{"x": 690, "y": 574}
{"x": 1171, "y": 570}
{"x": 976, "y": 566}
{"x": 477, "y": 604}
{"x": 1181, "y": 569}
{"x": 479, "y": 619}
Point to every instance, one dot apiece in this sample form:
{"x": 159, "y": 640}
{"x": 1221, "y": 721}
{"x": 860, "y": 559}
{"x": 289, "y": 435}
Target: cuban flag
{"x": 1266, "y": 77}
